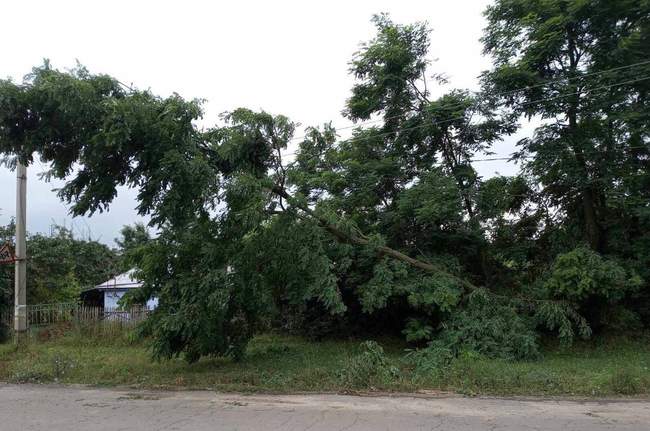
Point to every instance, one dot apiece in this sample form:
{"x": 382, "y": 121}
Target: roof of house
{"x": 122, "y": 281}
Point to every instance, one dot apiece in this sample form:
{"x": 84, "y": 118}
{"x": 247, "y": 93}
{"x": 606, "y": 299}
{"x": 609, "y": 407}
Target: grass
{"x": 611, "y": 367}
{"x": 283, "y": 364}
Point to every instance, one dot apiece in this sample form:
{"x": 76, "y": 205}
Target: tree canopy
{"x": 60, "y": 266}
{"x": 391, "y": 229}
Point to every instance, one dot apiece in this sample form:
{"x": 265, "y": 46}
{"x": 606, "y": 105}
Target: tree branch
{"x": 357, "y": 240}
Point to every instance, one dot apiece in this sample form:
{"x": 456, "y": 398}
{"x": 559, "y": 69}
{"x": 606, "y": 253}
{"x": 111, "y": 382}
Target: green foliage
{"x": 432, "y": 360}
{"x": 443, "y": 292}
{"x": 300, "y": 268}
{"x": 491, "y": 328}
{"x": 417, "y": 330}
{"x": 130, "y": 243}
{"x": 385, "y": 65}
{"x": 369, "y": 368}
{"x": 564, "y": 319}
{"x": 201, "y": 311}
{"x": 486, "y": 326}
{"x": 392, "y": 222}
{"x": 597, "y": 285}
{"x": 590, "y": 155}
{"x": 387, "y": 281}
{"x": 500, "y": 196}
{"x": 60, "y": 266}
{"x": 117, "y": 137}
{"x": 433, "y": 202}
{"x": 583, "y": 273}
{"x": 281, "y": 364}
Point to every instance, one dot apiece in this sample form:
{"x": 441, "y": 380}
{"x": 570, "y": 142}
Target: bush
{"x": 597, "y": 285}
{"x": 417, "y": 330}
{"x": 583, "y": 273}
{"x": 368, "y": 369}
{"x": 491, "y": 328}
{"x": 432, "y": 360}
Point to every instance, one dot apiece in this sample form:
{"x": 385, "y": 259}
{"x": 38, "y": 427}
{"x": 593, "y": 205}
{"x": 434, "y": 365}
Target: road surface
{"x": 50, "y": 408}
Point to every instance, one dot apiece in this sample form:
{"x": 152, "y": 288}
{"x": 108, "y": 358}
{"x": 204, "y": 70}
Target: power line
{"x": 617, "y": 194}
{"x": 434, "y": 123}
{"x": 511, "y": 156}
{"x": 502, "y": 93}
{"x": 490, "y": 159}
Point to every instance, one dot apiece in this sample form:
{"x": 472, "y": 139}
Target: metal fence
{"x": 41, "y": 315}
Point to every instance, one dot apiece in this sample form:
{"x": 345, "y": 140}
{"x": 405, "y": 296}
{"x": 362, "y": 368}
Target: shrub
{"x": 582, "y": 273}
{"x": 417, "y": 330}
{"x": 368, "y": 369}
{"x": 597, "y": 285}
{"x": 433, "y": 359}
{"x": 492, "y": 328}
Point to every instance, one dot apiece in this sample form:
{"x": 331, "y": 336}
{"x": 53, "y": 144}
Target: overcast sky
{"x": 286, "y": 57}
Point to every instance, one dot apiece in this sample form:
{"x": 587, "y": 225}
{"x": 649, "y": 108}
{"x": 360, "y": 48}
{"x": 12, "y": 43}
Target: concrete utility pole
{"x": 20, "y": 300}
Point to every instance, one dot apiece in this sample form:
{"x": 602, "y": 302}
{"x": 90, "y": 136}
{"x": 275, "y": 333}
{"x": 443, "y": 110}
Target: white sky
{"x": 286, "y": 57}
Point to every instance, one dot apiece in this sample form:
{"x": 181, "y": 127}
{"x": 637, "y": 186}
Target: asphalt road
{"x": 28, "y": 407}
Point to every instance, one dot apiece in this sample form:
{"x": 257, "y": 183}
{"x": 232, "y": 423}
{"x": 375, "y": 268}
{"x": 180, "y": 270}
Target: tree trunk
{"x": 588, "y": 193}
